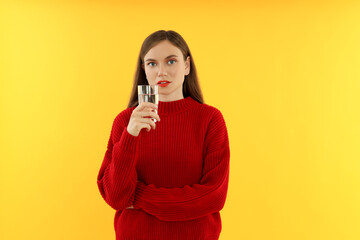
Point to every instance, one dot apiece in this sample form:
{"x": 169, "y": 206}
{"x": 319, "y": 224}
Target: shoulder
{"x": 209, "y": 112}
{"x": 216, "y": 134}
{"x": 210, "y": 120}
{"x": 214, "y": 120}
{"x": 121, "y": 120}
{"x": 124, "y": 116}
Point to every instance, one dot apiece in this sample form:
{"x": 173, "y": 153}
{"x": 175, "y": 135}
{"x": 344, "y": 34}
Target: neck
{"x": 171, "y": 97}
{"x": 176, "y": 106}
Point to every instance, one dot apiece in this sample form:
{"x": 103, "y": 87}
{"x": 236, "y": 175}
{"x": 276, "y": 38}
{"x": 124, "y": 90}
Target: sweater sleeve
{"x": 117, "y": 177}
{"x": 200, "y": 199}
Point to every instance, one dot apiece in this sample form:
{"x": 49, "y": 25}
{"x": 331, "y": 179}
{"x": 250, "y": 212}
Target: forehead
{"x": 162, "y": 50}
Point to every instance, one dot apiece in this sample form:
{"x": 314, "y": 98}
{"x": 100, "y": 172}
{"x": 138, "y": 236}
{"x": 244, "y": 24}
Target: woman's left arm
{"x": 197, "y": 200}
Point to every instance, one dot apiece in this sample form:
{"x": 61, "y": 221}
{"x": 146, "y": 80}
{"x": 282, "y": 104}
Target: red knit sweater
{"x": 175, "y": 176}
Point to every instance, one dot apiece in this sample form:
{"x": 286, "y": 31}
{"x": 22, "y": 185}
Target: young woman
{"x": 170, "y": 181}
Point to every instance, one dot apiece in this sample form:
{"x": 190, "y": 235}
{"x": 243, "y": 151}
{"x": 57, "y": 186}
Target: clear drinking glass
{"x": 148, "y": 93}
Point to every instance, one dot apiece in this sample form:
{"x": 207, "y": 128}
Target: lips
{"x": 163, "y": 82}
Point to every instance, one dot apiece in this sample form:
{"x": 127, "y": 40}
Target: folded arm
{"x": 117, "y": 177}
{"x": 197, "y": 200}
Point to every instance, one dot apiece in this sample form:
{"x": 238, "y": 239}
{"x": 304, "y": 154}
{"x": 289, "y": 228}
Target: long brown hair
{"x": 191, "y": 85}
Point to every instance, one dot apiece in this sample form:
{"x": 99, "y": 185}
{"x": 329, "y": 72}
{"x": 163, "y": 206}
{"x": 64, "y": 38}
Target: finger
{"x": 144, "y": 105}
{"x": 150, "y": 114}
{"x": 145, "y": 125}
{"x": 148, "y": 121}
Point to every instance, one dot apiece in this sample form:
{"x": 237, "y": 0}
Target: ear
{"x": 187, "y": 66}
{"x": 142, "y": 66}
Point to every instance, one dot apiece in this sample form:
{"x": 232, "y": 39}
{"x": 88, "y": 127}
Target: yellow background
{"x": 285, "y": 75}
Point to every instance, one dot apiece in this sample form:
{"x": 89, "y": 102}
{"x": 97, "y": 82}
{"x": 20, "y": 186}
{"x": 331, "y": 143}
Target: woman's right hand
{"x": 139, "y": 120}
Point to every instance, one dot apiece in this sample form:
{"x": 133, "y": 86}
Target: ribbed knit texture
{"x": 175, "y": 176}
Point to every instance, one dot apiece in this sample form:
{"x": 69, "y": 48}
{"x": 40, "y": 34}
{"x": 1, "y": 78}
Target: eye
{"x": 150, "y": 63}
{"x": 172, "y": 61}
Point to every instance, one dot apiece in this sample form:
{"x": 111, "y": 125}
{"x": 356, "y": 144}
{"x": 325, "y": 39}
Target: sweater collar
{"x": 172, "y": 107}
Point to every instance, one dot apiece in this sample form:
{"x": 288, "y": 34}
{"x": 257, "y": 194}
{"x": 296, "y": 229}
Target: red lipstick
{"x": 163, "y": 83}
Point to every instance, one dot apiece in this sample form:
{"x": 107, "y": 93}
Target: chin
{"x": 164, "y": 93}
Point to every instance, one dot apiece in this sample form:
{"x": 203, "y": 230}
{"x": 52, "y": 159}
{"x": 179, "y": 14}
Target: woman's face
{"x": 165, "y": 62}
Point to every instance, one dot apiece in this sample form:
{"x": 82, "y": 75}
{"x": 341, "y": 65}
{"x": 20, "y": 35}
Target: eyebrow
{"x": 165, "y": 58}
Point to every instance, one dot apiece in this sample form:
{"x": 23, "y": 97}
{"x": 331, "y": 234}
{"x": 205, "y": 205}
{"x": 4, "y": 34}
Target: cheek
{"x": 151, "y": 76}
{"x": 149, "y": 73}
{"x": 176, "y": 71}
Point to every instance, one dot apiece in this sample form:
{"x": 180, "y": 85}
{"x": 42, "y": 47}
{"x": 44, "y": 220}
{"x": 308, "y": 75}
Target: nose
{"x": 162, "y": 70}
